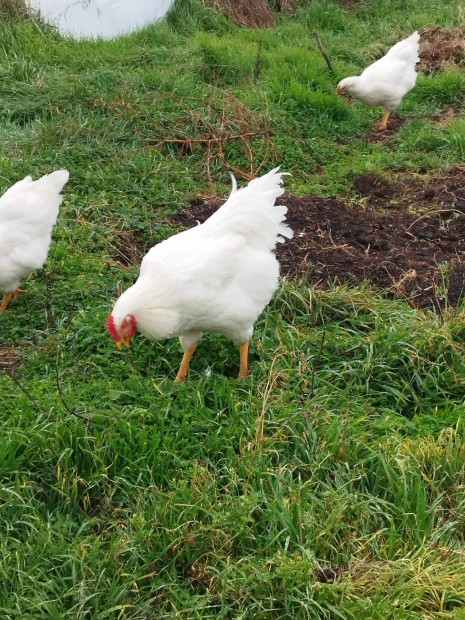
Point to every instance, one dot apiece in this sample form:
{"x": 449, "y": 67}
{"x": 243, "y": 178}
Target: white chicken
{"x": 216, "y": 277}
{"x": 387, "y": 80}
{"x": 28, "y": 211}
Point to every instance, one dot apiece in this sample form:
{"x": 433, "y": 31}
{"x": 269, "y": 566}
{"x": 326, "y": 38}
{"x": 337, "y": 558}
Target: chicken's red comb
{"x": 110, "y": 325}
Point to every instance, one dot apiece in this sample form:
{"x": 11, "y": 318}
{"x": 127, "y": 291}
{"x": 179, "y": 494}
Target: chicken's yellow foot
{"x": 184, "y": 367}
{"x": 382, "y": 125}
{"x": 244, "y": 360}
{"x": 6, "y": 298}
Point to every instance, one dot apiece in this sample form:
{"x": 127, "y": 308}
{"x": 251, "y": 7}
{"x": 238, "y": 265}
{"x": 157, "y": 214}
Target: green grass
{"x": 126, "y": 496}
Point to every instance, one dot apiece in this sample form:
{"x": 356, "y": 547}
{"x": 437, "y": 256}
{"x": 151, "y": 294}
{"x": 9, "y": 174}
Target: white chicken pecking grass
{"x": 216, "y": 277}
{"x": 388, "y": 80}
{"x": 28, "y": 212}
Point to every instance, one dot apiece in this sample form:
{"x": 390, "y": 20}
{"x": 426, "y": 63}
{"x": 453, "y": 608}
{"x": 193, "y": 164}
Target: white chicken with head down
{"x": 388, "y": 80}
{"x": 28, "y": 212}
{"x": 216, "y": 277}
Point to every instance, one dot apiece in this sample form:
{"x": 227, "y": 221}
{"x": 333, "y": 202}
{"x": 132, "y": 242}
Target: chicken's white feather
{"x": 251, "y": 212}
{"x": 215, "y": 277}
{"x": 28, "y": 212}
{"x": 233, "y": 183}
{"x": 389, "y": 79}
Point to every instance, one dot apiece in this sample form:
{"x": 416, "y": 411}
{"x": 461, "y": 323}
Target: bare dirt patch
{"x": 440, "y": 47}
{"x": 419, "y": 257}
{"x": 383, "y": 136}
{"x": 414, "y": 193}
{"x": 446, "y": 116}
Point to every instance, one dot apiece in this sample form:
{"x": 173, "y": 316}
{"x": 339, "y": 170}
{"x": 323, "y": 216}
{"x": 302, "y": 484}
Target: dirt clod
{"x": 373, "y": 186}
{"x": 329, "y": 574}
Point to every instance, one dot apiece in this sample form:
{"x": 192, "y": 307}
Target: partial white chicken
{"x": 387, "y": 80}
{"x": 216, "y": 277}
{"x": 28, "y": 212}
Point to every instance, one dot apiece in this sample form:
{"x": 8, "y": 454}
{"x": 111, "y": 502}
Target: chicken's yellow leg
{"x": 7, "y": 297}
{"x": 186, "y": 358}
{"x": 382, "y": 125}
{"x": 244, "y": 357}
{"x": 5, "y": 300}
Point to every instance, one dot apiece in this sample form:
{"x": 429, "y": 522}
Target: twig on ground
{"x": 322, "y": 50}
{"x": 218, "y": 127}
{"x": 205, "y": 140}
{"x": 434, "y": 213}
{"x": 26, "y": 392}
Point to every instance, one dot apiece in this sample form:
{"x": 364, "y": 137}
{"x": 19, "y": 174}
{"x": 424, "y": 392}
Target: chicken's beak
{"x": 339, "y": 90}
{"x": 126, "y": 341}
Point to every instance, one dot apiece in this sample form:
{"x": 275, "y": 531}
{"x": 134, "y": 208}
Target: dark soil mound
{"x": 440, "y": 47}
{"x": 418, "y": 257}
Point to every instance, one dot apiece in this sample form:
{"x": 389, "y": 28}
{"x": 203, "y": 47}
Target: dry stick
{"x": 31, "y": 398}
{"x": 59, "y": 388}
{"x": 214, "y": 138}
{"x": 272, "y": 378}
{"x": 234, "y": 169}
{"x": 322, "y": 50}
{"x": 432, "y": 213}
{"x": 226, "y": 138}
{"x": 315, "y": 362}
{"x": 257, "y": 69}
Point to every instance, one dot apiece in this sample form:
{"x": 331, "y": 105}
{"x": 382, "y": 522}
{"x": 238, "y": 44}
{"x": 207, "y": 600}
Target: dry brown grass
{"x": 11, "y": 358}
{"x": 11, "y": 9}
{"x": 289, "y": 6}
{"x": 251, "y": 13}
{"x": 223, "y": 123}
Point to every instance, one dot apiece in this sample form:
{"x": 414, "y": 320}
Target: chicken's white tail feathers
{"x": 53, "y": 182}
{"x": 35, "y": 203}
{"x": 407, "y": 49}
{"x": 17, "y": 187}
{"x": 251, "y": 211}
{"x": 233, "y": 183}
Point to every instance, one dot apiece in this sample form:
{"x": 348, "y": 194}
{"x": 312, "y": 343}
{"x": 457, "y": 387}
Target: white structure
{"x": 100, "y": 18}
